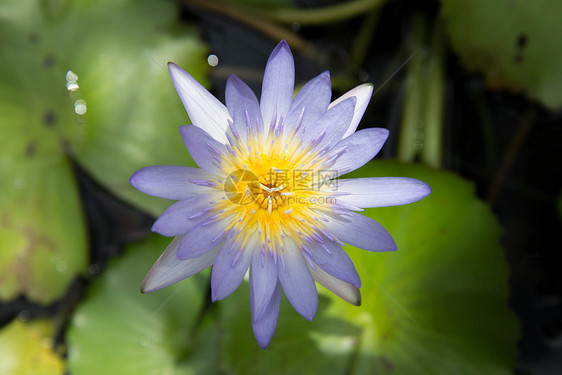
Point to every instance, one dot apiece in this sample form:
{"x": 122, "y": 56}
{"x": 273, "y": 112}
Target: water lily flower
{"x": 267, "y": 196}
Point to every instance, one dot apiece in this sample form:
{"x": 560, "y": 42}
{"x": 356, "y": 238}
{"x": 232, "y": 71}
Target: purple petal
{"x": 333, "y": 124}
{"x": 263, "y": 278}
{"x": 346, "y": 291}
{"x": 278, "y": 84}
{"x": 264, "y": 326}
{"x": 363, "y": 95}
{"x": 183, "y": 216}
{"x": 334, "y": 260}
{"x": 168, "y": 269}
{"x": 204, "y": 150}
{"x": 170, "y": 181}
{"x": 204, "y": 237}
{"x": 361, "y": 231}
{"x": 229, "y": 269}
{"x": 360, "y": 147}
{"x": 241, "y": 102}
{"x": 204, "y": 110}
{"x": 297, "y": 282}
{"x": 382, "y": 191}
{"x": 313, "y": 98}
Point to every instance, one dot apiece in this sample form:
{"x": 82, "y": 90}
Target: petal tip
{"x": 146, "y": 286}
{"x": 309, "y": 317}
{"x": 233, "y": 78}
{"x": 263, "y": 343}
{"x": 155, "y": 227}
{"x": 283, "y": 47}
{"x": 426, "y": 189}
{"x": 133, "y": 180}
{"x": 214, "y": 297}
{"x": 173, "y": 69}
{"x": 282, "y": 44}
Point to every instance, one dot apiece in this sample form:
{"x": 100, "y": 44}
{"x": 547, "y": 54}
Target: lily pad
{"x": 27, "y": 349}
{"x": 515, "y": 44}
{"x": 438, "y": 305}
{"x": 42, "y": 235}
{"x": 87, "y": 80}
{"x": 118, "y": 330}
{"x": 325, "y": 346}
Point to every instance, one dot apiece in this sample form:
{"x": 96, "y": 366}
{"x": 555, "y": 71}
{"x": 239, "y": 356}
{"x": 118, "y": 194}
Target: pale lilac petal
{"x": 184, "y": 215}
{"x": 331, "y": 126}
{"x": 168, "y": 269}
{"x": 242, "y": 103}
{"x": 203, "y": 149}
{"x": 204, "y": 237}
{"x": 263, "y": 278}
{"x": 361, "y": 231}
{"x": 360, "y": 147}
{"x": 204, "y": 110}
{"x": 363, "y": 95}
{"x": 229, "y": 269}
{"x": 297, "y": 282}
{"x": 171, "y": 181}
{"x": 278, "y": 84}
{"x": 311, "y": 102}
{"x": 382, "y": 191}
{"x": 330, "y": 256}
{"x": 346, "y": 291}
{"x": 264, "y": 326}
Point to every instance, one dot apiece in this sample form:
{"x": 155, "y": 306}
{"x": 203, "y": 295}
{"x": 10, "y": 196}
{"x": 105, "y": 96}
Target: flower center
{"x": 275, "y": 189}
{"x": 272, "y": 189}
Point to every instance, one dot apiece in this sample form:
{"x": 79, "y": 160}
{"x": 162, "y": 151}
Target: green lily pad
{"x": 86, "y": 80}
{"x": 515, "y": 44}
{"x": 42, "y": 236}
{"x": 325, "y": 346}
{"x": 118, "y": 330}
{"x": 438, "y": 305}
{"x": 27, "y": 349}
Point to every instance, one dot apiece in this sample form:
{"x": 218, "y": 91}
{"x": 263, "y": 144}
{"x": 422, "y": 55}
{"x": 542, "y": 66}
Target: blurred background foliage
{"x": 471, "y": 92}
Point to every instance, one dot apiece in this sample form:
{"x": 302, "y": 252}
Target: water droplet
{"x": 72, "y": 86}
{"x": 144, "y": 342}
{"x": 61, "y": 266}
{"x": 49, "y": 118}
{"x": 30, "y": 149}
{"x": 24, "y": 315}
{"x": 19, "y": 183}
{"x": 80, "y": 106}
{"x": 93, "y": 269}
{"x": 48, "y": 61}
{"x": 213, "y": 60}
{"x": 363, "y": 75}
{"x": 47, "y": 343}
{"x": 79, "y": 320}
{"x": 71, "y": 76}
